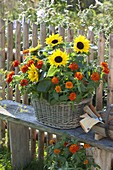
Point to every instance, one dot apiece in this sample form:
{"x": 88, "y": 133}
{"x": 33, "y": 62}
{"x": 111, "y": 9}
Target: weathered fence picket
{"x": 22, "y": 135}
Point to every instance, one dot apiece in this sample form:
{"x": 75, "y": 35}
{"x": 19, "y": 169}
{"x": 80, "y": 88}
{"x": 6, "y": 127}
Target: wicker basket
{"x": 59, "y": 116}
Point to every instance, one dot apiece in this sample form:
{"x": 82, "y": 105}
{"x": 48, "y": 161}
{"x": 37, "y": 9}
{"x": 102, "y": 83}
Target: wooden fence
{"x": 14, "y": 41}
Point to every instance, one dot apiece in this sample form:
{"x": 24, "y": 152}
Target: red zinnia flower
{"x": 30, "y": 62}
{"x": 10, "y": 74}
{"x": 24, "y": 82}
{"x": 74, "y": 148}
{"x": 73, "y": 66}
{"x": 24, "y": 68}
{"x": 9, "y": 79}
{"x": 15, "y": 63}
{"x": 39, "y": 64}
{"x": 95, "y": 76}
{"x": 105, "y": 70}
{"x": 65, "y": 144}
{"x": 104, "y": 64}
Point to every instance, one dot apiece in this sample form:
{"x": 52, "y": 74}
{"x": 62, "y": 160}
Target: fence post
{"x": 33, "y": 131}
{"x": 17, "y": 56}
{"x": 101, "y": 49}
{"x": 25, "y": 46}
{"x": 110, "y": 77}
{"x": 2, "y": 66}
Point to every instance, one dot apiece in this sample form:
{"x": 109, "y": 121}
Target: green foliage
{"x": 68, "y": 154}
{"x": 5, "y": 163}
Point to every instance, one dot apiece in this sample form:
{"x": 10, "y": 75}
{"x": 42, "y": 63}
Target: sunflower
{"x": 54, "y": 40}
{"x": 58, "y": 58}
{"x": 33, "y": 74}
{"x": 81, "y": 44}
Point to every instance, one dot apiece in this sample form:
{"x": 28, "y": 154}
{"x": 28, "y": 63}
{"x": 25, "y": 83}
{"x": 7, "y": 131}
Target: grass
{"x": 5, "y": 161}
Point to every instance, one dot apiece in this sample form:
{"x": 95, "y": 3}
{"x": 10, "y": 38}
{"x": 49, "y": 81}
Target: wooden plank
{"x": 33, "y": 131}
{"x": 10, "y": 57}
{"x": 25, "y": 46}
{"x": 49, "y": 137}
{"x": 2, "y": 66}
{"x": 40, "y": 145}
{"x": 61, "y": 31}
{"x": 42, "y": 34}
{"x": 19, "y": 144}
{"x": 17, "y": 56}
{"x": 34, "y": 35}
{"x": 101, "y": 50}
{"x": 41, "y": 133}
{"x": 90, "y": 37}
{"x": 70, "y": 37}
{"x": 33, "y": 142}
{"x": 102, "y": 158}
{"x": 51, "y": 29}
{"x": 2, "y": 57}
{"x": 110, "y": 76}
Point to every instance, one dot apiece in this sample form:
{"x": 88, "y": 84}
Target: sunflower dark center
{"x": 54, "y": 41}
{"x": 58, "y": 59}
{"x": 80, "y": 45}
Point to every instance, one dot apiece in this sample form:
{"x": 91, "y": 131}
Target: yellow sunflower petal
{"x": 33, "y": 74}
{"x": 81, "y": 44}
{"x": 58, "y": 58}
{"x": 54, "y": 40}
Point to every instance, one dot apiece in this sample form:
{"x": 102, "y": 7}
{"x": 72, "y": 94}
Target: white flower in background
{"x": 40, "y": 14}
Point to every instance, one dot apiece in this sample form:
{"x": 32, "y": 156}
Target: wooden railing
{"x": 20, "y": 39}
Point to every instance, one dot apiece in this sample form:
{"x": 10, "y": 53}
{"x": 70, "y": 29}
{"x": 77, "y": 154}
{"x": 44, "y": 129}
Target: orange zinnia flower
{"x": 52, "y": 141}
{"x": 55, "y": 80}
{"x": 74, "y": 148}
{"x": 105, "y": 70}
{"x": 69, "y": 85}
{"x": 86, "y": 161}
{"x": 72, "y": 96}
{"x": 26, "y": 51}
{"x": 95, "y": 76}
{"x": 73, "y": 66}
{"x": 87, "y": 145}
{"x": 78, "y": 75}
{"x": 58, "y": 89}
{"x": 56, "y": 151}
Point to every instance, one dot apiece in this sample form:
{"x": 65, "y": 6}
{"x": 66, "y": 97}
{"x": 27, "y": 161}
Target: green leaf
{"x": 43, "y": 86}
{"x": 56, "y": 96}
{"x": 63, "y": 98}
{"x": 52, "y": 70}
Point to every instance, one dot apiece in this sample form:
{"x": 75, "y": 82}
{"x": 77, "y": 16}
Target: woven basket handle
{"x": 108, "y": 112}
